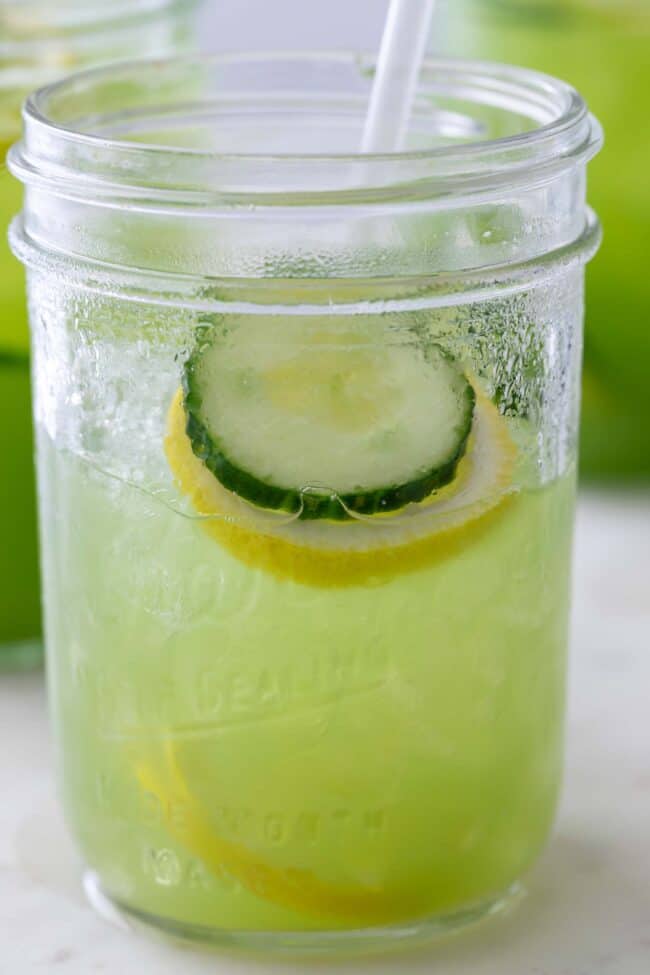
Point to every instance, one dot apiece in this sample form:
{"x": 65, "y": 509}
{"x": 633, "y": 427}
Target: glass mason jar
{"x": 307, "y": 429}
{"x": 601, "y": 46}
{"x": 40, "y": 41}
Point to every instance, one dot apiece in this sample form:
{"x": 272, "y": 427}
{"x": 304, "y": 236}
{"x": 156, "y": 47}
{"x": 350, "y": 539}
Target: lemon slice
{"x": 296, "y": 888}
{"x": 359, "y": 551}
{"x": 362, "y": 550}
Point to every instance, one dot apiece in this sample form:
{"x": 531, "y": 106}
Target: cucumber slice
{"x": 326, "y": 422}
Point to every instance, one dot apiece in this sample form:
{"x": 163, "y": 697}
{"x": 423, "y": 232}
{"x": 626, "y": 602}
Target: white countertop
{"x": 587, "y": 911}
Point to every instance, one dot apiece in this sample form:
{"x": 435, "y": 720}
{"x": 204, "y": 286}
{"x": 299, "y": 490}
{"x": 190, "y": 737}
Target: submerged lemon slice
{"x": 358, "y": 551}
{"x": 293, "y": 887}
{"x": 362, "y": 550}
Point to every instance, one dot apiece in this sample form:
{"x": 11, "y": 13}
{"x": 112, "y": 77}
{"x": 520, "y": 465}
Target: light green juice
{"x": 243, "y": 751}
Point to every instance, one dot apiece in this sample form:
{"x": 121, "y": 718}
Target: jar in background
{"x": 40, "y": 41}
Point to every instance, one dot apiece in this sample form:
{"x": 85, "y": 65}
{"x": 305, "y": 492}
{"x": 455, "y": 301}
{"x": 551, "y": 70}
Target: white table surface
{"x": 587, "y": 911}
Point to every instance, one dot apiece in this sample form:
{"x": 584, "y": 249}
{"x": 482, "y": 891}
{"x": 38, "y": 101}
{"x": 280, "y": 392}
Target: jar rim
{"x": 178, "y": 289}
{"x": 41, "y": 40}
{"x": 23, "y": 21}
{"x": 557, "y": 132}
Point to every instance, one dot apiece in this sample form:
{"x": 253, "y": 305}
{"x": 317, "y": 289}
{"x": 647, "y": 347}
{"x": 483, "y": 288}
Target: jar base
{"x": 21, "y": 655}
{"x": 334, "y": 943}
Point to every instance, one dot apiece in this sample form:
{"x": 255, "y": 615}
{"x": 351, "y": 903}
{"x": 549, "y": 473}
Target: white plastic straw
{"x": 400, "y": 58}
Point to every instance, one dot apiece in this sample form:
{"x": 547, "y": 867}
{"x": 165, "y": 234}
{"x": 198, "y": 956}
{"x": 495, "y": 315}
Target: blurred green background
{"x": 602, "y": 47}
